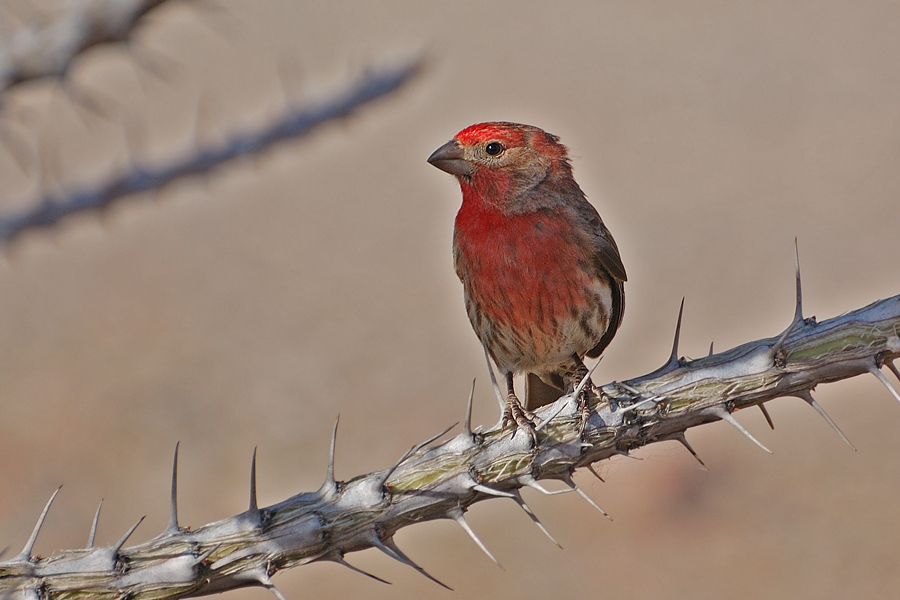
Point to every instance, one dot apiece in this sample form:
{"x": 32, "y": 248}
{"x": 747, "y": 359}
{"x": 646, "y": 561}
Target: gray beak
{"x": 450, "y": 158}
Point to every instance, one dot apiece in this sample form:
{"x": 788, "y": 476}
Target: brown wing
{"x": 607, "y": 263}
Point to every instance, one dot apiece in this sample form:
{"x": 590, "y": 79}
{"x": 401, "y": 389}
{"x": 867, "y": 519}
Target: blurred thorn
{"x": 711, "y": 348}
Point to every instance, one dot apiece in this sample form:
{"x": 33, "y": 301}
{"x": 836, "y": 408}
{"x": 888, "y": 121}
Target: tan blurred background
{"x": 251, "y": 307}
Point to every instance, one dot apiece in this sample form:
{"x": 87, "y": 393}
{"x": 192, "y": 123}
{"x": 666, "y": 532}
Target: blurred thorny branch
{"x": 45, "y": 44}
{"x": 441, "y": 481}
{"x": 47, "y": 47}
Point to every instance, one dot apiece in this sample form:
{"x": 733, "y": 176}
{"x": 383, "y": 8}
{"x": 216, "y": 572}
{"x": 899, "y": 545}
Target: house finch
{"x": 541, "y": 274}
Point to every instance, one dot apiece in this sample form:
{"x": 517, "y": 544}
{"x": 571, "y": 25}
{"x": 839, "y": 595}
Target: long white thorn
{"x": 893, "y": 368}
{"x": 467, "y": 423}
{"x": 263, "y": 578}
{"x": 726, "y": 416}
{"x": 807, "y": 397}
{"x": 779, "y": 343}
{"x": 121, "y": 542}
{"x": 329, "y": 486}
{"x": 457, "y": 515}
{"x": 501, "y": 399}
{"x": 432, "y": 438}
{"x": 587, "y": 378}
{"x": 877, "y": 373}
{"x": 531, "y": 482}
{"x": 546, "y": 421}
{"x": 173, "y": 527}
{"x": 521, "y": 502}
{"x": 491, "y": 491}
{"x": 389, "y": 547}
{"x": 25, "y": 554}
{"x": 96, "y": 520}
{"x": 766, "y": 414}
{"x": 340, "y": 560}
{"x": 638, "y": 405}
{"x": 383, "y": 479}
{"x": 568, "y": 481}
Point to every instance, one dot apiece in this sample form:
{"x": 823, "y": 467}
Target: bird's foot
{"x": 585, "y": 406}
{"x": 522, "y": 418}
{"x": 576, "y": 378}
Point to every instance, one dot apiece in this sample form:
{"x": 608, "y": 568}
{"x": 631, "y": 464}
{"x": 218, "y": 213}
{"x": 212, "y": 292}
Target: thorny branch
{"x": 294, "y": 123}
{"x": 46, "y": 47}
{"x": 441, "y": 481}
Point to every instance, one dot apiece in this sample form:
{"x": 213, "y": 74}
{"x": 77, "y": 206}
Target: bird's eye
{"x": 494, "y": 148}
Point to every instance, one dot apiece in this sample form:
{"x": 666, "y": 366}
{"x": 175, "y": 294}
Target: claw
{"x": 513, "y": 412}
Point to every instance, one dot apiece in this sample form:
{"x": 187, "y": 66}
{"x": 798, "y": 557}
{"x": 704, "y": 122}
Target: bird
{"x": 543, "y": 281}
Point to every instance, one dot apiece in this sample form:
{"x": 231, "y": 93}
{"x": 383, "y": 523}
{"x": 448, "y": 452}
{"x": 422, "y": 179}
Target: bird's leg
{"x": 573, "y": 379}
{"x": 515, "y": 412}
